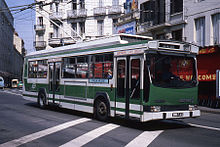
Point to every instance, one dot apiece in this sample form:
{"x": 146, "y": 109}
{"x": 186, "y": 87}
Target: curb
{"x": 209, "y": 110}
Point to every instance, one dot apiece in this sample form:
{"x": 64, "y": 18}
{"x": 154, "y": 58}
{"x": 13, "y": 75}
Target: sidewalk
{"x": 209, "y": 110}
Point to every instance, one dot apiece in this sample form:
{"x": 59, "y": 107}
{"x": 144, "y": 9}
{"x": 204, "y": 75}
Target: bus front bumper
{"x": 147, "y": 116}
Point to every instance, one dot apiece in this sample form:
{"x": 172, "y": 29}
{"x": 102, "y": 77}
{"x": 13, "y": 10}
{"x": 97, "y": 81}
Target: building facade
{"x": 195, "y": 21}
{"x": 67, "y": 21}
{"x": 19, "y": 44}
{"x": 162, "y": 19}
{"x": 11, "y": 61}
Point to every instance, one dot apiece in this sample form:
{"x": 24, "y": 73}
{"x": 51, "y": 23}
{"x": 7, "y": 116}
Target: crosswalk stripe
{"x": 84, "y": 139}
{"x": 144, "y": 139}
{"x": 43, "y": 133}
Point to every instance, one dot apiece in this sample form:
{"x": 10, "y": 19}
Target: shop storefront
{"x": 208, "y": 64}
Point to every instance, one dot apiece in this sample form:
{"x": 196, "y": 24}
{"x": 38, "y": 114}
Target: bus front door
{"x": 128, "y": 83}
{"x": 54, "y": 81}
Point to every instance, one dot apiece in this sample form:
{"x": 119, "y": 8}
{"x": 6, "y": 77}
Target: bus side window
{"x": 121, "y": 78}
{"x": 146, "y": 82}
{"x": 135, "y": 78}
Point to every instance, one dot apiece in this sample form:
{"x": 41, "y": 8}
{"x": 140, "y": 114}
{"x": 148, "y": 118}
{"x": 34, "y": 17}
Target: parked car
{"x": 2, "y": 83}
{"x": 14, "y": 83}
{"x": 20, "y": 84}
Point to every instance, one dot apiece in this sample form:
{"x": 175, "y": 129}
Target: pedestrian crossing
{"x": 13, "y": 91}
{"x": 143, "y": 139}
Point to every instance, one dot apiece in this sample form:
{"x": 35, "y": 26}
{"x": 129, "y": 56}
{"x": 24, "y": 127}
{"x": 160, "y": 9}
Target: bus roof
{"x": 98, "y": 42}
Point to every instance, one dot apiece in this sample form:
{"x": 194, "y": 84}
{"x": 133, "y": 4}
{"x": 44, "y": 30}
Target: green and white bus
{"x": 122, "y": 75}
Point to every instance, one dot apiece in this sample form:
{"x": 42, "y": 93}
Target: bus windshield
{"x": 170, "y": 71}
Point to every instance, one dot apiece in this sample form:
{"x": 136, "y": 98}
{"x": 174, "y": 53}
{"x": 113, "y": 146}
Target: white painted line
{"x": 204, "y": 127}
{"x": 144, "y": 139}
{"x": 31, "y": 137}
{"x": 12, "y": 93}
{"x": 84, "y": 139}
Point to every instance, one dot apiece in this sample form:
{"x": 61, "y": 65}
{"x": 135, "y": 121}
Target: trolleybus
{"x": 122, "y": 75}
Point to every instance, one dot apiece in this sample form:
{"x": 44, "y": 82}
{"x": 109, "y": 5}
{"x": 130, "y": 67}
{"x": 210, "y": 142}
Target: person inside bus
{"x": 167, "y": 75}
{"x": 109, "y": 75}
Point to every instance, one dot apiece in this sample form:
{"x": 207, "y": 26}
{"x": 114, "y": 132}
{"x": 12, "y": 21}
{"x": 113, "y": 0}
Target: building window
{"x": 74, "y": 4}
{"x": 147, "y": 11}
{"x": 100, "y": 3}
{"x": 51, "y": 35}
{"x": 55, "y": 31}
{"x": 152, "y": 12}
{"x": 176, "y": 6}
{"x": 82, "y": 28}
{"x": 200, "y": 31}
{"x": 100, "y": 27}
{"x": 74, "y": 27}
{"x": 82, "y": 4}
{"x": 216, "y": 28}
{"x": 57, "y": 7}
{"x": 115, "y": 2}
{"x": 41, "y": 21}
{"x": 177, "y": 35}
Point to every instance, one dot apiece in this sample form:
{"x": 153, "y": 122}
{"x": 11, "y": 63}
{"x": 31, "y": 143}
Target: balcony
{"x": 56, "y": 15}
{"x": 114, "y": 10}
{"x": 77, "y": 13}
{"x": 56, "y": 42}
{"x": 99, "y": 11}
{"x": 39, "y": 45}
{"x": 39, "y": 28}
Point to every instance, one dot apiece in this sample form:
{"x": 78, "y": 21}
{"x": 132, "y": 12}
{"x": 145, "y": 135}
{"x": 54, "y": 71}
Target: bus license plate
{"x": 177, "y": 114}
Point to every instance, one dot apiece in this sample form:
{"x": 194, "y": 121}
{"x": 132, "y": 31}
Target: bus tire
{"x": 101, "y": 109}
{"x": 41, "y": 100}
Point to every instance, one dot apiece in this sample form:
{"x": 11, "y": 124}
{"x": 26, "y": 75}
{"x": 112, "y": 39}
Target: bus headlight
{"x": 155, "y": 108}
{"x": 193, "y": 107}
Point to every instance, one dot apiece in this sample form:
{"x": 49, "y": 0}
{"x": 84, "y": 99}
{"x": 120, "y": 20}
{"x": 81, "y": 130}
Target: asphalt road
{"x": 23, "y": 124}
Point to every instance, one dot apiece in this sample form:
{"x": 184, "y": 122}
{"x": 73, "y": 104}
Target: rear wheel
{"x": 42, "y": 100}
{"x": 101, "y": 110}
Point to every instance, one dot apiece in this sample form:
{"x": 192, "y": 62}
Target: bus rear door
{"x": 128, "y": 83}
{"x": 54, "y": 80}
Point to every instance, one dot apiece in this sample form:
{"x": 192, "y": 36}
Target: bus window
{"x": 42, "y": 69}
{"x": 173, "y": 71}
{"x": 103, "y": 66}
{"x": 82, "y": 67}
{"x": 121, "y": 79}
{"x": 69, "y": 67}
{"x": 135, "y": 78}
{"x": 32, "y": 69}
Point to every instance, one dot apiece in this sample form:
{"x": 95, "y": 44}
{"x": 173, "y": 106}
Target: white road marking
{"x": 43, "y": 133}
{"x": 204, "y": 127}
{"x": 84, "y": 139}
{"x": 144, "y": 139}
{"x": 12, "y": 93}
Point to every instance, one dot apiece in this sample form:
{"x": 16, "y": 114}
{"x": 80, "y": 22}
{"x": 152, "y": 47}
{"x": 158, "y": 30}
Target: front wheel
{"x": 101, "y": 110}
{"x": 42, "y": 100}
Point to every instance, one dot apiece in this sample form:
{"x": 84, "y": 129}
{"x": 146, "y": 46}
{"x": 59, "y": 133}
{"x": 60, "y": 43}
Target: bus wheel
{"x": 101, "y": 110}
{"x": 42, "y": 100}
